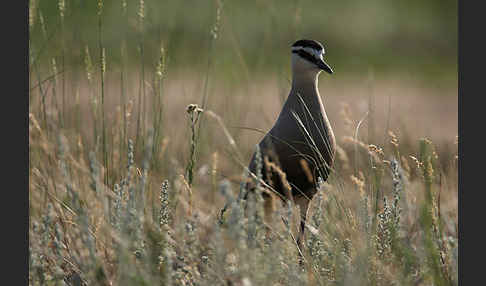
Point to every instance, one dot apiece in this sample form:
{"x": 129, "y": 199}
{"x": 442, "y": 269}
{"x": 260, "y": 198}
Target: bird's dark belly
{"x": 301, "y": 184}
{"x": 298, "y": 164}
{"x": 301, "y": 161}
{"x": 300, "y": 170}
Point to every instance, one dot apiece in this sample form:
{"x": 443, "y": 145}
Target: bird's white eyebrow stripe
{"x": 316, "y": 53}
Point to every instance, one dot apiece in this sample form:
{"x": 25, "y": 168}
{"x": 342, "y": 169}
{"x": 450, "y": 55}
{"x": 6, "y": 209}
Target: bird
{"x": 299, "y": 149}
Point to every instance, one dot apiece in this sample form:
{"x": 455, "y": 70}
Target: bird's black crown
{"x": 308, "y": 44}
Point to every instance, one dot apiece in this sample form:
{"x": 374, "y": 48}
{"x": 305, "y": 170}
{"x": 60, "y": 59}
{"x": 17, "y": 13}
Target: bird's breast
{"x": 302, "y": 135}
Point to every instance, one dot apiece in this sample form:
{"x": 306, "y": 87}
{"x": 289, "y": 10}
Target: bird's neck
{"x": 305, "y": 91}
{"x": 305, "y": 83}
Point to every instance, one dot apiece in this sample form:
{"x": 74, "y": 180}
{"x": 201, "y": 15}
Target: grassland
{"x": 127, "y": 184}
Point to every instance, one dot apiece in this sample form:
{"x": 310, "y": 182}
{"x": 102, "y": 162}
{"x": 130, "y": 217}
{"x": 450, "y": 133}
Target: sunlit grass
{"x": 127, "y": 182}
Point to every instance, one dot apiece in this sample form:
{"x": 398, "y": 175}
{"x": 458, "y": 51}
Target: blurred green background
{"x": 416, "y": 38}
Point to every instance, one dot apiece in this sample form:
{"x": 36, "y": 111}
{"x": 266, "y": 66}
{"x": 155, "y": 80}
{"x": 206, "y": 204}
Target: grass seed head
{"x": 62, "y": 9}
{"x": 100, "y": 7}
{"x": 32, "y": 9}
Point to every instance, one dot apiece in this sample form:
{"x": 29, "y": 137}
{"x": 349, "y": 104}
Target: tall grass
{"x": 117, "y": 199}
{"x": 102, "y": 67}
{"x": 62, "y": 13}
{"x": 141, "y": 93}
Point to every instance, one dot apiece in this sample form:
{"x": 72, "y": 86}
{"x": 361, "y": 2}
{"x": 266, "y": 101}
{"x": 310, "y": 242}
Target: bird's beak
{"x": 324, "y": 66}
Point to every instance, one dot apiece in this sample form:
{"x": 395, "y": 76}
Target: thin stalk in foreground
{"x": 102, "y": 79}
{"x": 122, "y": 80}
{"x": 62, "y": 9}
{"x": 194, "y": 113}
{"x": 213, "y": 36}
{"x": 141, "y": 94}
{"x": 158, "y": 106}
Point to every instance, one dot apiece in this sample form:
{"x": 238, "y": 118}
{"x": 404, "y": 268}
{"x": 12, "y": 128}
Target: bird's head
{"x": 308, "y": 57}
